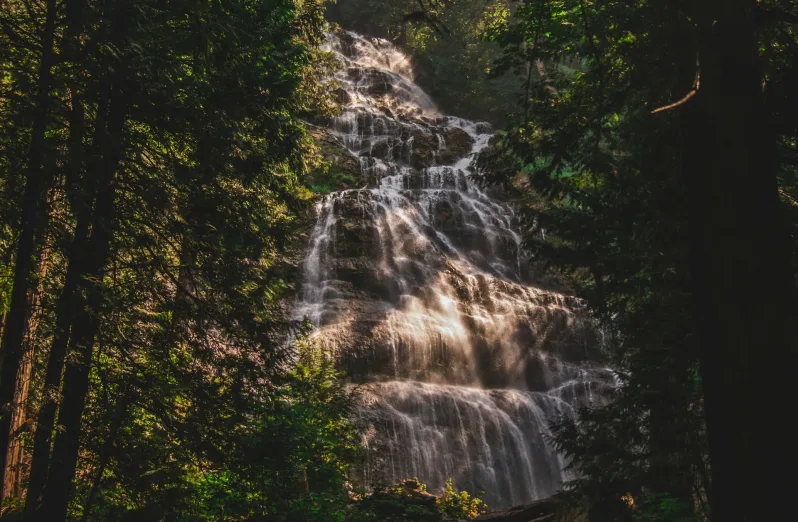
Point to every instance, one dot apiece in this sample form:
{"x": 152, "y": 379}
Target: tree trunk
{"x": 76, "y": 374}
{"x": 19, "y": 417}
{"x": 89, "y": 301}
{"x": 80, "y": 197}
{"x": 65, "y": 309}
{"x": 45, "y": 421}
{"x": 744, "y": 290}
{"x": 35, "y": 186}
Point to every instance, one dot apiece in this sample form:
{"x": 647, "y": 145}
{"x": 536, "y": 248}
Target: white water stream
{"x": 417, "y": 281}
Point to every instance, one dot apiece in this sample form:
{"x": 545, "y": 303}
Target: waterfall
{"x": 418, "y": 284}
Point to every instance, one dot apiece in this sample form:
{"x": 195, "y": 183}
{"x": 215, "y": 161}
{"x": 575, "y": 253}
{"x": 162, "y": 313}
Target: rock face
{"x": 341, "y": 169}
{"x": 417, "y": 281}
{"x": 544, "y": 510}
{"x": 406, "y": 502}
{"x": 457, "y": 144}
{"x": 539, "y": 511}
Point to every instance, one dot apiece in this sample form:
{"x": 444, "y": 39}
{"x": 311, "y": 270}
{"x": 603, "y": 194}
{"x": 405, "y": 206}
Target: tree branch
{"x": 789, "y": 198}
{"x": 686, "y": 98}
{"x": 776, "y": 15}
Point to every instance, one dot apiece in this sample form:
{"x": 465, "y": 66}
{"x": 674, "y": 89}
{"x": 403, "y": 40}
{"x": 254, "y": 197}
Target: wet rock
{"x": 347, "y": 40}
{"x": 483, "y": 128}
{"x": 424, "y": 147}
{"x": 443, "y": 212}
{"x": 372, "y": 81}
{"x": 458, "y": 142}
{"x": 386, "y": 111}
{"x": 402, "y": 503}
{"x": 341, "y": 96}
{"x": 355, "y": 238}
{"x": 389, "y": 149}
{"x": 379, "y": 89}
{"x": 381, "y": 150}
{"x": 540, "y": 511}
{"x": 408, "y": 114}
{"x": 365, "y": 279}
{"x": 414, "y": 180}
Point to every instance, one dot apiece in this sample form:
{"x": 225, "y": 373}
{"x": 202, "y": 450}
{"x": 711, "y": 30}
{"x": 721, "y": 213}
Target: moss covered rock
{"x": 339, "y": 169}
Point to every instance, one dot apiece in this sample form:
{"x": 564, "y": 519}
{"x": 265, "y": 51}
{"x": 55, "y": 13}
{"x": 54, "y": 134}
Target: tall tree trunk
{"x": 45, "y": 421}
{"x": 19, "y": 417}
{"x": 744, "y": 290}
{"x": 33, "y": 196}
{"x": 89, "y": 301}
{"x": 80, "y": 197}
{"x": 76, "y": 374}
{"x": 7, "y": 258}
{"x": 65, "y": 308}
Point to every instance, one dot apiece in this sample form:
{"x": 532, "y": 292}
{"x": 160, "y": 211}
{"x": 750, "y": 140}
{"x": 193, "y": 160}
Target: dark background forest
{"x": 156, "y": 171}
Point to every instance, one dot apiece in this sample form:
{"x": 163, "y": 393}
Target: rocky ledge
{"x": 409, "y": 501}
{"x": 543, "y": 510}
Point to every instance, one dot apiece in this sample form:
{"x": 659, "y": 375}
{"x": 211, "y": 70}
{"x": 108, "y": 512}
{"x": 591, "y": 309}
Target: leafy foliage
{"x": 662, "y": 508}
{"x": 409, "y": 501}
{"x": 173, "y": 166}
{"x": 289, "y": 460}
{"x": 460, "y": 505}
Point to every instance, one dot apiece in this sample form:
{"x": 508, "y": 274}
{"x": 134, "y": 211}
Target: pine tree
{"x": 648, "y": 154}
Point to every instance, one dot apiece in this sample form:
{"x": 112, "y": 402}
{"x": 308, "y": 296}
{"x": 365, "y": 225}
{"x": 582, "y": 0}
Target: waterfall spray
{"x": 416, "y": 283}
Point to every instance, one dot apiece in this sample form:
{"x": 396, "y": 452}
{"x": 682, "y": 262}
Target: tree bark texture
{"x": 33, "y": 198}
{"x": 17, "y": 459}
{"x": 744, "y": 290}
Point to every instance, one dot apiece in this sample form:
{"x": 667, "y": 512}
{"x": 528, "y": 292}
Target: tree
{"x": 660, "y": 187}
{"x": 742, "y": 323}
{"x": 175, "y": 152}
{"x": 11, "y": 349}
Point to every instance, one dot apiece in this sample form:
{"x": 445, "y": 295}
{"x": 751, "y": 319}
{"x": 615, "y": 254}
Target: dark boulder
{"x": 341, "y": 96}
{"x": 405, "y": 502}
{"x": 458, "y": 142}
{"x": 483, "y": 128}
{"x": 544, "y": 510}
{"x": 379, "y": 89}
{"x": 424, "y": 148}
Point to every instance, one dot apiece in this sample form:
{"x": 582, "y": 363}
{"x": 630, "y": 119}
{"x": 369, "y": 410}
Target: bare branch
{"x": 685, "y": 98}
{"x": 677, "y": 103}
{"x": 789, "y": 198}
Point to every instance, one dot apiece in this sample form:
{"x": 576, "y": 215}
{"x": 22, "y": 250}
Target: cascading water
{"x": 418, "y": 283}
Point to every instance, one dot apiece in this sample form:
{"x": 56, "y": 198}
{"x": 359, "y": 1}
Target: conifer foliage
{"x": 653, "y": 154}
{"x": 151, "y": 167}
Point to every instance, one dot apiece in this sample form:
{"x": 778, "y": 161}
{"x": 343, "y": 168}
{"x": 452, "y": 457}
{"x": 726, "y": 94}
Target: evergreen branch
{"x": 12, "y": 30}
{"x": 777, "y": 15}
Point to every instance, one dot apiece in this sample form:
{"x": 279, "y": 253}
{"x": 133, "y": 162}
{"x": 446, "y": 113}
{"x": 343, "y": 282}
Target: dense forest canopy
{"x": 157, "y": 171}
{"x": 658, "y": 152}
